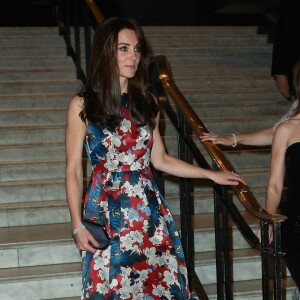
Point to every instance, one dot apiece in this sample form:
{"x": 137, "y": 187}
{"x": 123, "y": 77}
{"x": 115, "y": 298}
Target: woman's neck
{"x": 124, "y": 85}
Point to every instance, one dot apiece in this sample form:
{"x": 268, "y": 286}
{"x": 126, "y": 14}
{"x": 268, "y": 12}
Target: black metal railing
{"x": 77, "y": 18}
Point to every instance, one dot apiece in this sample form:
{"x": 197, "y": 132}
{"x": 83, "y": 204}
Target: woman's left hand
{"x": 227, "y": 178}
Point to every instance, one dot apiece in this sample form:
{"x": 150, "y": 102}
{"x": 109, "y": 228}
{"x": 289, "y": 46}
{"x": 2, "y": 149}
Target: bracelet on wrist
{"x": 235, "y": 140}
{"x": 77, "y": 229}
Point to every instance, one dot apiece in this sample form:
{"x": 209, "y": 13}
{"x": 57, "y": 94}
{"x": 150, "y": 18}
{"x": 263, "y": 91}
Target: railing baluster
{"x": 185, "y": 189}
{"x": 227, "y": 246}
{"x": 265, "y": 258}
{"x": 277, "y": 260}
{"x": 218, "y": 243}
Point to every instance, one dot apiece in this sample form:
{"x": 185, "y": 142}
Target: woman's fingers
{"x": 84, "y": 241}
{"x": 216, "y": 139}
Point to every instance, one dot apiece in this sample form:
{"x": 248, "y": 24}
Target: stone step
{"x": 205, "y": 39}
{"x": 24, "y": 244}
{"x": 201, "y": 30}
{"x": 264, "y": 60}
{"x": 29, "y": 32}
{"x": 49, "y": 187}
{"x": 35, "y": 134}
{"x": 204, "y": 50}
{"x": 198, "y": 49}
{"x": 42, "y": 282}
{"x": 33, "y": 116}
{"x": 196, "y": 70}
{"x": 30, "y": 152}
{"x": 31, "y": 74}
{"x": 252, "y": 289}
{"x": 56, "y": 211}
{"x": 15, "y": 50}
{"x": 225, "y": 126}
{"x": 224, "y": 82}
{"x": 205, "y": 98}
{"x": 219, "y": 96}
{"x": 197, "y": 98}
{"x": 203, "y": 82}
{"x": 16, "y": 153}
{"x": 154, "y": 40}
{"x": 31, "y": 62}
{"x": 55, "y": 133}
{"x": 48, "y": 116}
{"x": 37, "y": 87}
{"x": 34, "y": 41}
{"x": 28, "y": 101}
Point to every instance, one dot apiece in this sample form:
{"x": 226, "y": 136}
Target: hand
{"x": 227, "y": 178}
{"x": 270, "y": 234}
{"x": 84, "y": 240}
{"x": 282, "y": 84}
{"x": 226, "y": 140}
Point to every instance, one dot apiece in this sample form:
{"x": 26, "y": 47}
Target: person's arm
{"x": 277, "y": 172}
{"x": 282, "y": 84}
{"x": 261, "y": 137}
{"x": 281, "y": 54}
{"x": 174, "y": 166}
{"x": 75, "y": 132}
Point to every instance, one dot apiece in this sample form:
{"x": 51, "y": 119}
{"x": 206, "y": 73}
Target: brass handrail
{"x": 242, "y": 191}
{"x": 95, "y": 11}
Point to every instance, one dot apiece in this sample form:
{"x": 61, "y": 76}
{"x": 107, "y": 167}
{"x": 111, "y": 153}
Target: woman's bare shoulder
{"x": 76, "y": 103}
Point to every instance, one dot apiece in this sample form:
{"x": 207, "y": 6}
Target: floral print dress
{"x": 145, "y": 259}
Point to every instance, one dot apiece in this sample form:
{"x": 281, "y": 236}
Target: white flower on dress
{"x": 126, "y": 272}
{"x": 129, "y": 159}
{"x": 147, "y": 157}
{"x": 157, "y": 238}
{"x": 144, "y": 274}
{"x": 132, "y": 240}
{"x": 125, "y": 125}
{"x": 169, "y": 277}
{"x": 111, "y": 165}
{"x": 122, "y": 157}
{"x": 137, "y": 290}
{"x": 116, "y": 139}
{"x": 140, "y": 142}
{"x": 125, "y": 286}
{"x": 138, "y": 190}
{"x": 102, "y": 288}
{"x": 135, "y": 165}
{"x": 145, "y": 225}
{"x": 100, "y": 261}
{"x": 158, "y": 290}
{"x": 151, "y": 255}
{"x": 114, "y": 283}
{"x": 172, "y": 261}
{"x": 183, "y": 270}
{"x": 128, "y": 188}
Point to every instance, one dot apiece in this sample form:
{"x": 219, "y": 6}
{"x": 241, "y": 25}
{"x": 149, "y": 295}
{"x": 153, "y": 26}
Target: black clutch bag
{"x": 98, "y": 232}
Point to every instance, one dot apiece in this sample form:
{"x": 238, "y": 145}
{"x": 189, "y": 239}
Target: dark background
{"x": 151, "y": 12}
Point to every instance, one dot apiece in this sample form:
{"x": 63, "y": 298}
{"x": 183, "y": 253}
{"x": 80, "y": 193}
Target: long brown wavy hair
{"x": 102, "y": 92}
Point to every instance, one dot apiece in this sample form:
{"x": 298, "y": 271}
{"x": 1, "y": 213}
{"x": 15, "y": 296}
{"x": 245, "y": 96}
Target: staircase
{"x": 224, "y": 74}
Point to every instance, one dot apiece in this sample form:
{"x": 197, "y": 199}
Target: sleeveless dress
{"x": 145, "y": 259}
{"x": 291, "y": 208}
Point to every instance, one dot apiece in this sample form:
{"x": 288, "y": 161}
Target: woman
{"x": 117, "y": 120}
{"x": 262, "y": 137}
{"x": 285, "y": 164}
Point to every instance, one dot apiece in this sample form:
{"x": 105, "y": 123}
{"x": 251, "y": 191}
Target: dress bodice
{"x": 127, "y": 148}
{"x": 292, "y": 162}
